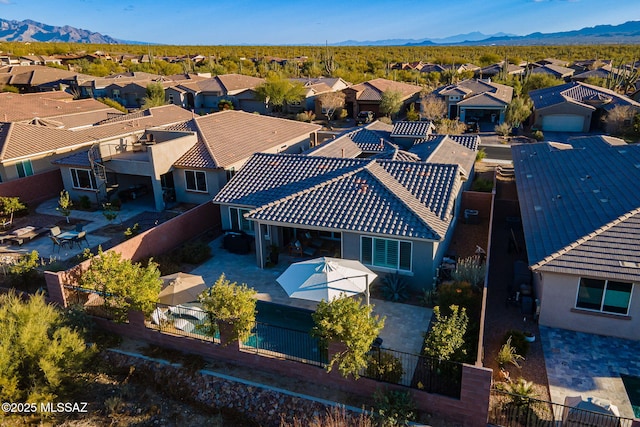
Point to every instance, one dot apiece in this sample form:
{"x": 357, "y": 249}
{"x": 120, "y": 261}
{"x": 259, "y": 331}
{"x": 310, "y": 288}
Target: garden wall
{"x": 471, "y": 410}
{"x": 34, "y": 189}
{"x": 479, "y": 201}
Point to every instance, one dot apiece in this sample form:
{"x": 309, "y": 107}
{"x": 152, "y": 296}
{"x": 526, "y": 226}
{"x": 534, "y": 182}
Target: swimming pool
{"x": 632, "y": 385}
{"x": 279, "y": 329}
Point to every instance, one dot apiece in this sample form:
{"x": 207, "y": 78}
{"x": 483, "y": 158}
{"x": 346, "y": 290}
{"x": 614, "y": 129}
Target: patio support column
{"x": 260, "y": 250}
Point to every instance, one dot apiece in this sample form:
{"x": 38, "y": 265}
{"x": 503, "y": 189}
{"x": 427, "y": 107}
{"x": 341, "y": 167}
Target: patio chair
{"x": 55, "y": 231}
{"x": 81, "y": 237}
{"x": 59, "y": 243}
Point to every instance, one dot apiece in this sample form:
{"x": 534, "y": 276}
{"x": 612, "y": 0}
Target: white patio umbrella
{"x": 179, "y": 288}
{"x": 326, "y": 278}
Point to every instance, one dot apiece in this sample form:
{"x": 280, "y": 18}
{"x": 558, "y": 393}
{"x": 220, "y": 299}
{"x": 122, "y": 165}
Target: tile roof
{"x": 580, "y": 93}
{"x": 24, "y": 140}
{"x": 232, "y": 136}
{"x": 448, "y": 149}
{"x": 238, "y": 82}
{"x": 79, "y": 159}
{"x": 554, "y": 70}
{"x": 18, "y": 107}
{"x": 580, "y": 205}
{"x": 372, "y": 90}
{"x": 419, "y": 129}
{"x": 403, "y": 199}
{"x": 472, "y": 87}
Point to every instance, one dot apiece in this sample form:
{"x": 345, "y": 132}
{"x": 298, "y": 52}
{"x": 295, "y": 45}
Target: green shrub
{"x": 84, "y": 202}
{"x": 518, "y": 341}
{"x": 503, "y": 129}
{"x": 538, "y": 135}
{"x": 508, "y": 354}
{"x": 395, "y": 408}
{"x": 386, "y": 120}
{"x": 194, "y": 252}
{"x": 306, "y": 116}
{"x": 481, "y": 184}
{"x": 384, "y": 366}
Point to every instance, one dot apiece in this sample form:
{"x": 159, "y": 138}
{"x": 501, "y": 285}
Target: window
{"x": 196, "y": 181}
{"x": 24, "y": 168}
{"x": 238, "y": 221}
{"x": 387, "y": 253}
{"x": 230, "y": 173}
{"x": 83, "y": 178}
{"x": 607, "y": 296}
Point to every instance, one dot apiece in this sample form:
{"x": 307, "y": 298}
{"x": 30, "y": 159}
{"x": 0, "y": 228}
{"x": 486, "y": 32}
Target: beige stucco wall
{"x": 558, "y": 299}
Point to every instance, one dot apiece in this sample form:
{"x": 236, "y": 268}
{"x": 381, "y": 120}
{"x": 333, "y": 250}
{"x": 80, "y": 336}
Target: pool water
{"x": 284, "y": 316}
{"x": 632, "y": 385}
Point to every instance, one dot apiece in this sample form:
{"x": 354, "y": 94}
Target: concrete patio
{"x": 589, "y": 365}
{"x": 94, "y": 221}
{"x": 404, "y": 324}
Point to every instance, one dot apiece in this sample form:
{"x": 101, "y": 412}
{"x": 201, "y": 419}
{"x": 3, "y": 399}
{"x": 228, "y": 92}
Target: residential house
{"x": 574, "y": 106}
{"x": 112, "y": 87}
{"x": 581, "y": 218}
{"x": 367, "y": 96}
{"x": 476, "y": 100}
{"x": 556, "y": 71}
{"x": 204, "y": 95}
{"x": 31, "y": 148}
{"x": 499, "y": 69}
{"x": 183, "y": 158}
{"x": 57, "y": 106}
{"x": 314, "y": 87}
{"x": 393, "y": 216}
{"x": 39, "y": 78}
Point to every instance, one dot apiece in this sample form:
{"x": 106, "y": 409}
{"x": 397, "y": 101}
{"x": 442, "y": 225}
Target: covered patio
{"x": 404, "y": 325}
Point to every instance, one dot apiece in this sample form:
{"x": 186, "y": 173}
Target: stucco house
{"x": 476, "y": 100}
{"x": 367, "y": 96}
{"x": 183, "y": 158}
{"x": 574, "y": 106}
{"x": 204, "y": 94}
{"x": 580, "y": 213}
{"x": 393, "y": 216}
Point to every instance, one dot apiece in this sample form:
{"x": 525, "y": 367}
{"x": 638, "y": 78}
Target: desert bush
{"x": 470, "y": 270}
{"x": 481, "y": 184}
{"x": 306, "y": 116}
{"x": 538, "y": 135}
{"x": 386, "y": 120}
{"x": 194, "y": 252}
{"x": 518, "y": 341}
{"x": 395, "y": 408}
{"x": 503, "y": 129}
{"x": 508, "y": 354}
{"x": 384, "y": 366}
{"x": 84, "y": 202}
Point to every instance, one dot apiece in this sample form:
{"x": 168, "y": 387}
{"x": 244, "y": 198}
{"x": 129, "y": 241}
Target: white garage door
{"x": 563, "y": 123}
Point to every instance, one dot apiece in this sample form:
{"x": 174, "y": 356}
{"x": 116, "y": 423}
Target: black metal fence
{"x": 287, "y": 343}
{"x": 512, "y": 410}
{"x": 415, "y": 371}
{"x": 386, "y": 365}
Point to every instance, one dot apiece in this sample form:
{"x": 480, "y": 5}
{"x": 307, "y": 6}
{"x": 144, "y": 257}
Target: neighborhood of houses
{"x": 387, "y": 195}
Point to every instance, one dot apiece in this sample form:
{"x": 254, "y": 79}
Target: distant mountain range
{"x": 32, "y": 31}
{"x": 627, "y": 33}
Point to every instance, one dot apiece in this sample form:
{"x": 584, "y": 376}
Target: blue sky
{"x": 229, "y": 22}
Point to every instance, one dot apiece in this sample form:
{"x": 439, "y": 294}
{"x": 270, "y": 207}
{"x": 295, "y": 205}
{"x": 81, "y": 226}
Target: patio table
{"x": 68, "y": 235}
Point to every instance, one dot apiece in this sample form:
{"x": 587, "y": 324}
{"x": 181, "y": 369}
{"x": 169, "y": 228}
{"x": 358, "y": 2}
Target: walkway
{"x": 94, "y": 221}
{"x": 404, "y": 325}
{"x": 589, "y": 365}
